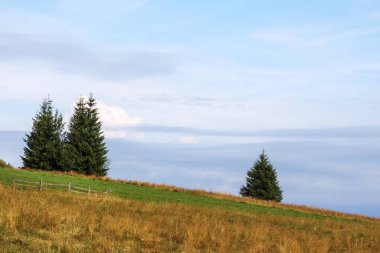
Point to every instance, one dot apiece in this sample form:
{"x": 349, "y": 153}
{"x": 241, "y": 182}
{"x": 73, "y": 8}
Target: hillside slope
{"x": 165, "y": 219}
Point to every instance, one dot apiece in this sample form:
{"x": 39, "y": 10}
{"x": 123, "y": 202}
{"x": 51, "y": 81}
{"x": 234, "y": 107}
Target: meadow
{"x": 142, "y": 217}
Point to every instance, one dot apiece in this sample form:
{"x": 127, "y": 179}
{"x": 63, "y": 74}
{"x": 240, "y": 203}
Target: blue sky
{"x": 299, "y": 78}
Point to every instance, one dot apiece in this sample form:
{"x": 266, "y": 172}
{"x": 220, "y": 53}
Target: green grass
{"x": 146, "y": 193}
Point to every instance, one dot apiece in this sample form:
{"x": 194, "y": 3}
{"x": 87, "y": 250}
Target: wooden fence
{"x": 57, "y": 186}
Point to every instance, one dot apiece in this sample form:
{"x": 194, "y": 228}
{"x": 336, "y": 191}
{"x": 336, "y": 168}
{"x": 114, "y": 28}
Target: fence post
{"x": 89, "y": 190}
{"x": 40, "y": 184}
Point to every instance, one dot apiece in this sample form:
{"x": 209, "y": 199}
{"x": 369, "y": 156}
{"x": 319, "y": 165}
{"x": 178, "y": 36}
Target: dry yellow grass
{"x": 33, "y": 221}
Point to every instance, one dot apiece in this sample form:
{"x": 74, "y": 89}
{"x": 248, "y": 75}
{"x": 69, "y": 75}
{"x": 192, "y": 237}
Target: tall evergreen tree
{"x": 44, "y": 142}
{"x": 74, "y": 145}
{"x": 262, "y": 181}
{"x": 96, "y": 136}
{"x": 85, "y": 148}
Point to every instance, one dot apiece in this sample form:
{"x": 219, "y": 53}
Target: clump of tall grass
{"x": 34, "y": 221}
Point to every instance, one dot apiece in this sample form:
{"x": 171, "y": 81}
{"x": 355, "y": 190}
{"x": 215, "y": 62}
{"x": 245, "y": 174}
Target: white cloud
{"x": 188, "y": 140}
{"x": 123, "y": 134}
{"x": 114, "y": 116}
{"x": 116, "y": 121}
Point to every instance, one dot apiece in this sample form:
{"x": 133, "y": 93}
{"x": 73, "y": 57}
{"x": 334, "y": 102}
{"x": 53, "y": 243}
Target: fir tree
{"x": 44, "y": 142}
{"x": 97, "y": 143}
{"x": 76, "y": 149}
{"x": 85, "y": 149}
{"x": 262, "y": 181}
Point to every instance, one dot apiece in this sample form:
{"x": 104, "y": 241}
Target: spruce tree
{"x": 44, "y": 142}
{"x": 96, "y": 137}
{"x": 85, "y": 149}
{"x": 76, "y": 148}
{"x": 262, "y": 181}
{"x": 70, "y": 155}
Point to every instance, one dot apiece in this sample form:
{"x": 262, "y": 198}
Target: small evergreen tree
{"x": 262, "y": 181}
{"x": 44, "y": 142}
{"x": 4, "y": 164}
{"x": 85, "y": 149}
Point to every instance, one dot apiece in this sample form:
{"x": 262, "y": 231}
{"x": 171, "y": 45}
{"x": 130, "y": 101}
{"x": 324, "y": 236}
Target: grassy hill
{"x": 141, "y": 217}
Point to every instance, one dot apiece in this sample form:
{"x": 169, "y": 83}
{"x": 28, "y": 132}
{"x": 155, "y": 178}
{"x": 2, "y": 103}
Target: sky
{"x": 190, "y": 92}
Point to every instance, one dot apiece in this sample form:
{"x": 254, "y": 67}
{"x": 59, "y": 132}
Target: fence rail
{"x": 48, "y": 186}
